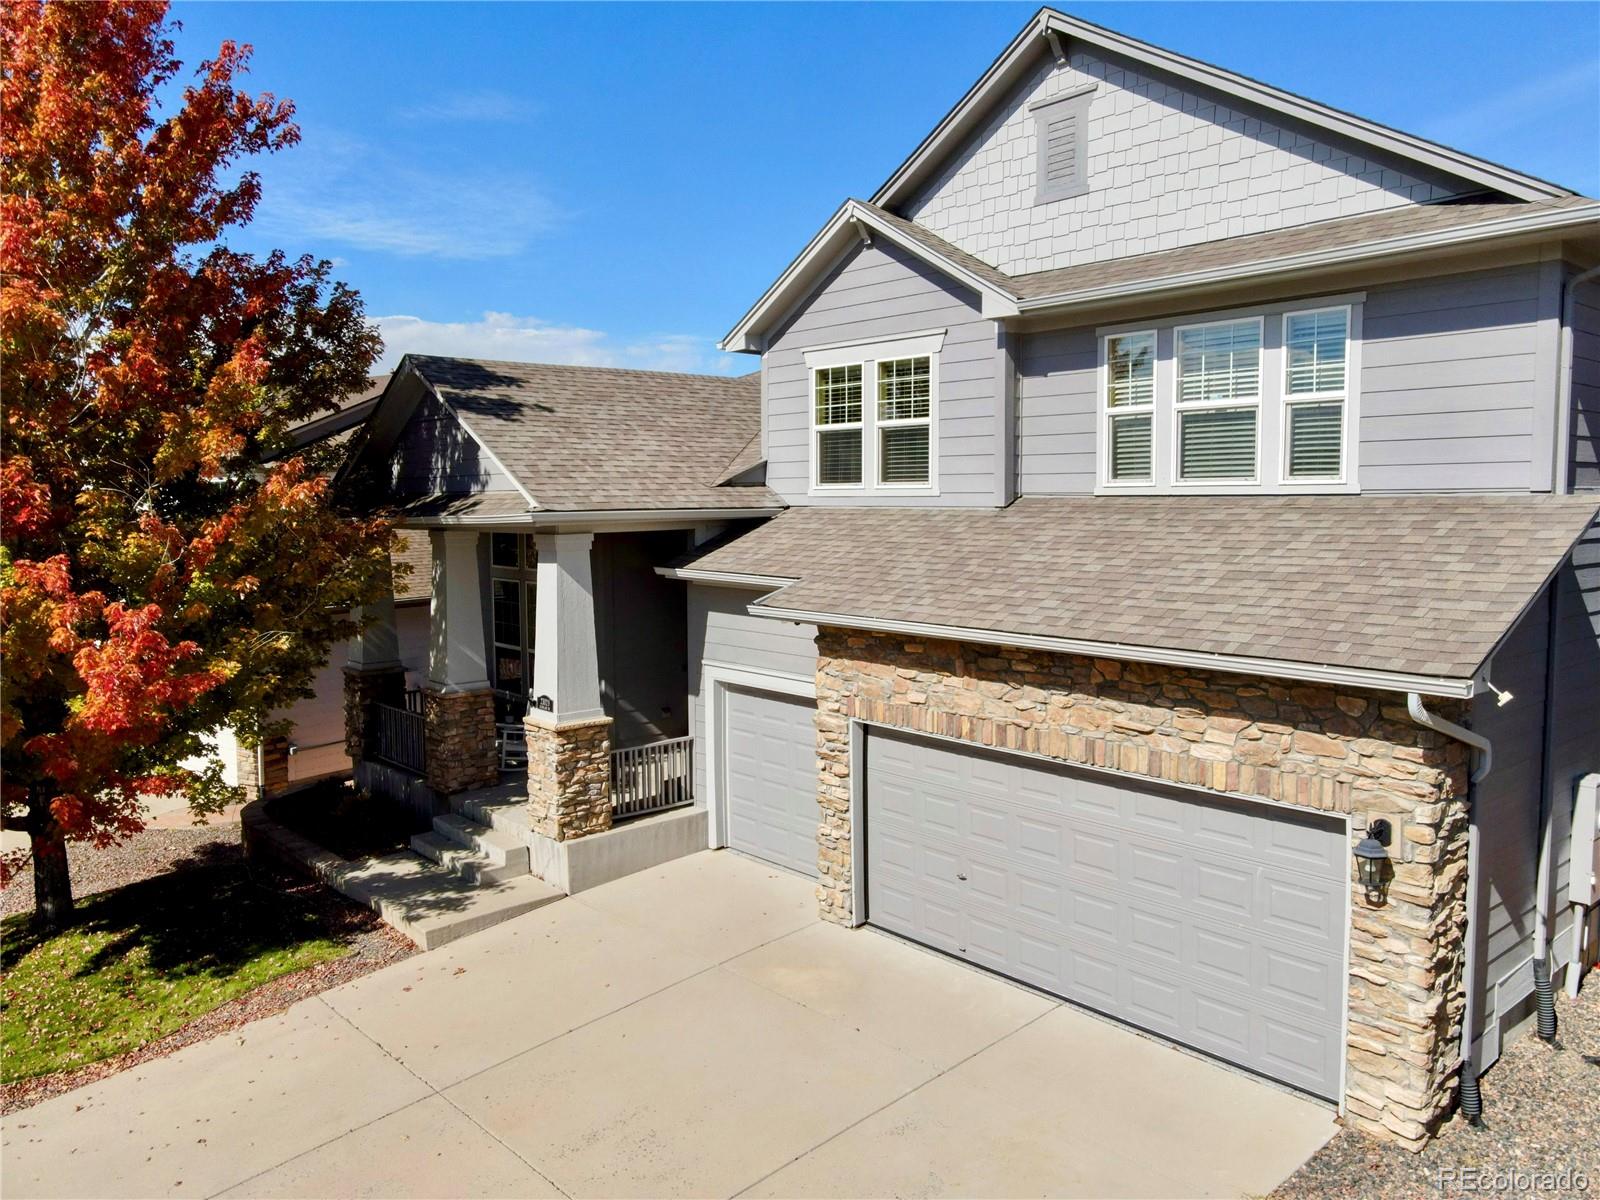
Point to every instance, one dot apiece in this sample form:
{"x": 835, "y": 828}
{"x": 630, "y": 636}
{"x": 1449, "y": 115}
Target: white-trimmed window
{"x": 905, "y": 419}
{"x": 1130, "y": 398}
{"x": 1218, "y": 400}
{"x": 1255, "y": 400}
{"x": 875, "y": 415}
{"x": 837, "y": 425}
{"x": 1316, "y": 347}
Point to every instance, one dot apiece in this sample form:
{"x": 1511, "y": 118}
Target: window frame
{"x": 1342, "y": 396}
{"x": 1107, "y": 413}
{"x": 868, "y": 355}
{"x": 1256, "y": 404}
{"x": 524, "y": 577}
{"x": 1272, "y": 403}
{"x": 879, "y": 424}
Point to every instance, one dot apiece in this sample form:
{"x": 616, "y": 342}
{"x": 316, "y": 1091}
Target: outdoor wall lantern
{"x": 1370, "y": 859}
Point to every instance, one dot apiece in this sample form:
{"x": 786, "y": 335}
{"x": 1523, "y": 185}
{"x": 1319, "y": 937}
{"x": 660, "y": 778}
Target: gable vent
{"x": 1061, "y": 127}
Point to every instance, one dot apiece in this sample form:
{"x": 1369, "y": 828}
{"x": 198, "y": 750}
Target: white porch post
{"x": 456, "y": 646}
{"x": 566, "y": 663}
{"x": 569, "y": 735}
{"x": 457, "y": 705}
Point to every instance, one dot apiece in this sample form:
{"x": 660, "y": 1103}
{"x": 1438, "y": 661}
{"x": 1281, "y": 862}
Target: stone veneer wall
{"x": 268, "y": 775}
{"x": 1336, "y": 751}
{"x": 458, "y": 740}
{"x": 361, "y": 689}
{"x": 569, "y": 777}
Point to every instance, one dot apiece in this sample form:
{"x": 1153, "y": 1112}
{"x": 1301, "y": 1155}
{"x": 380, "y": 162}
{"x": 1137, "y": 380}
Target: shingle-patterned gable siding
{"x": 1168, "y": 166}
{"x": 435, "y": 455}
{"x": 881, "y": 292}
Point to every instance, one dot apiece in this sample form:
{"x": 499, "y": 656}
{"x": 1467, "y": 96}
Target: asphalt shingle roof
{"x": 603, "y": 438}
{"x": 1420, "y": 585}
{"x": 1342, "y": 233}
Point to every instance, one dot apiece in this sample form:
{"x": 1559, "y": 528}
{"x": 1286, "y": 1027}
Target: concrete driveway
{"x": 693, "y": 1030}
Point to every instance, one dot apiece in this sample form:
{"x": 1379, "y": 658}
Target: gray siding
{"x": 1450, "y": 384}
{"x": 435, "y": 454}
{"x": 1507, "y": 807}
{"x": 881, "y": 292}
{"x": 1575, "y": 706}
{"x": 1453, "y": 382}
{"x": 721, "y": 631}
{"x": 640, "y": 636}
{"x": 1586, "y": 387}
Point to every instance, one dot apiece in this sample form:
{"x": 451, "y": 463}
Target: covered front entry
{"x": 1216, "y": 923}
{"x": 771, "y": 777}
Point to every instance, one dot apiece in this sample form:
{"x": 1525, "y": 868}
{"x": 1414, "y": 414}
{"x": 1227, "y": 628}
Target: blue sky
{"x": 615, "y": 184}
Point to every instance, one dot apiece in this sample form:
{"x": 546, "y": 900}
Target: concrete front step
{"x": 433, "y": 907}
{"x": 473, "y": 852}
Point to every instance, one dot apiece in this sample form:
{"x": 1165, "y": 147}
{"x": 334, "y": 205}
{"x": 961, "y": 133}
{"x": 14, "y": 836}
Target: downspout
{"x": 1563, "y": 482}
{"x": 1544, "y": 992}
{"x": 1470, "y": 1097}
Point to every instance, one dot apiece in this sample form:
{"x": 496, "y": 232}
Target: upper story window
{"x": 1247, "y": 402}
{"x": 1061, "y": 129}
{"x": 873, "y": 424}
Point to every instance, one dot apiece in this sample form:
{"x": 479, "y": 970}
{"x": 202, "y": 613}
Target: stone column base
{"x": 458, "y": 740}
{"x": 265, "y": 773}
{"x": 385, "y": 685}
{"x": 569, "y": 777}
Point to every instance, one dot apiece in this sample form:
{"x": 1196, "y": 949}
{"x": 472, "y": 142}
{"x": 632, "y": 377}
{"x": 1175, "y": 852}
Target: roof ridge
{"x": 596, "y": 368}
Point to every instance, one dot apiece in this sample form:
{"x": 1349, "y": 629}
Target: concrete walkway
{"x": 692, "y": 1030}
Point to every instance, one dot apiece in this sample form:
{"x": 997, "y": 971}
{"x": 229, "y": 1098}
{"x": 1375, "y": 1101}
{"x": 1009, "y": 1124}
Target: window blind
{"x": 839, "y": 395}
{"x": 1217, "y": 443}
{"x": 1316, "y": 436}
{"x": 1219, "y": 362}
{"x": 839, "y": 456}
{"x": 903, "y": 389}
{"x": 1130, "y": 369}
{"x": 904, "y": 454}
{"x": 1315, "y": 344}
{"x": 1130, "y": 446}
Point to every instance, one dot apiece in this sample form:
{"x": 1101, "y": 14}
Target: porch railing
{"x": 396, "y": 737}
{"x": 646, "y": 779}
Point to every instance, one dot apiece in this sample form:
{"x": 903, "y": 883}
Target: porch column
{"x": 457, "y": 704}
{"x": 569, "y": 734}
{"x": 373, "y": 672}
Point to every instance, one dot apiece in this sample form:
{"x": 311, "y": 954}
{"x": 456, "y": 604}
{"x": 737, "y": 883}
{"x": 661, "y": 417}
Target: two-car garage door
{"x": 1215, "y": 923}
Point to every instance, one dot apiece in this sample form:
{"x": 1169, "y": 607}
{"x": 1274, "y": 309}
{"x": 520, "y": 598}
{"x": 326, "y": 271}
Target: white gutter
{"x": 1387, "y": 681}
{"x": 1564, "y": 382}
{"x": 1545, "y": 221}
{"x": 724, "y": 578}
{"x": 1450, "y": 729}
{"x": 605, "y": 516}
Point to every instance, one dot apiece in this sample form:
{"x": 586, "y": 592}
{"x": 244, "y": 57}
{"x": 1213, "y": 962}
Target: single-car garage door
{"x": 1214, "y": 923}
{"x": 771, "y": 777}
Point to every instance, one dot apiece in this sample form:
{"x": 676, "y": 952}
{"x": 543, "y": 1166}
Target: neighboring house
{"x": 1166, "y": 495}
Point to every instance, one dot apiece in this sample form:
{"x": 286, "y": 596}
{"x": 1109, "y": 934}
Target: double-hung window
{"x": 1130, "y": 402}
{"x": 1254, "y": 400}
{"x": 1315, "y": 357}
{"x": 874, "y": 415}
{"x": 512, "y": 563}
{"x": 1218, "y": 396}
{"x": 838, "y": 425}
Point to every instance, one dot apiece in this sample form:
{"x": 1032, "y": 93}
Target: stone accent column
{"x": 264, "y": 772}
{"x": 1338, "y": 751}
{"x": 458, "y": 740}
{"x": 569, "y": 777}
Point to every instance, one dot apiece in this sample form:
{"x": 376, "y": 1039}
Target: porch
{"x": 556, "y": 680}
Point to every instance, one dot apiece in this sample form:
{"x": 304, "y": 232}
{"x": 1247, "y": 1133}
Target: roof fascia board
{"x": 794, "y": 284}
{"x": 1387, "y": 681}
{"x": 1032, "y": 40}
{"x": 612, "y": 519}
{"x": 377, "y": 434}
{"x": 725, "y": 578}
{"x": 1547, "y": 221}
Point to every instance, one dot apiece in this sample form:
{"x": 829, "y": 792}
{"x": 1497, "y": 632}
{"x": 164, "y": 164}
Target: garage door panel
{"x": 1198, "y": 919}
{"x": 770, "y": 776}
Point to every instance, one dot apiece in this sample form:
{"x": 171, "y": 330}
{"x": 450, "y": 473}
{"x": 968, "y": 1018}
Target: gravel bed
{"x": 149, "y": 852}
{"x": 1541, "y": 1114}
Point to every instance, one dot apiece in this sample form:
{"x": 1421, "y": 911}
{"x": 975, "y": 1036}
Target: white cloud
{"x": 1516, "y": 107}
{"x": 485, "y": 106}
{"x": 530, "y": 339}
{"x": 343, "y": 190}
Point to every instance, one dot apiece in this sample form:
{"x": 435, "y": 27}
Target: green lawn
{"x": 144, "y": 960}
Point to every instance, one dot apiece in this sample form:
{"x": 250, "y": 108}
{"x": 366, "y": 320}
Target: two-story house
{"x": 1156, "y": 561}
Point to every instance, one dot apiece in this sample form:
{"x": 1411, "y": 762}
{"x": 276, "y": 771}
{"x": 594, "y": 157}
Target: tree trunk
{"x": 52, "y": 885}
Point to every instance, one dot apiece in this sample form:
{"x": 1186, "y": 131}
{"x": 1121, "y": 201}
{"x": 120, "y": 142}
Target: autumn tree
{"x": 166, "y": 567}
